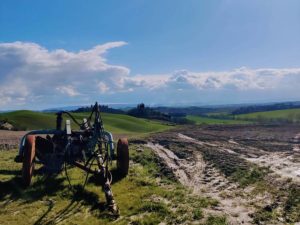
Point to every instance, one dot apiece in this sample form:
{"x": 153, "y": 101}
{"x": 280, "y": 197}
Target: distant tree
{"x": 141, "y": 106}
{"x": 146, "y": 112}
{"x": 103, "y": 108}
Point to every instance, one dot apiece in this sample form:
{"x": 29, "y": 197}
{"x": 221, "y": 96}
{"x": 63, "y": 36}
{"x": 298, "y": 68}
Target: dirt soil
{"x": 10, "y": 139}
{"x": 205, "y": 159}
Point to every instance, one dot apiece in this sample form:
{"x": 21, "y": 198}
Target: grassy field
{"x": 145, "y": 196}
{"x": 210, "y": 121}
{"x": 115, "y": 123}
{"x": 287, "y": 115}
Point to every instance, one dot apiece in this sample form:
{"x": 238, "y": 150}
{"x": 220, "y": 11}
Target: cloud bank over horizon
{"x": 32, "y": 76}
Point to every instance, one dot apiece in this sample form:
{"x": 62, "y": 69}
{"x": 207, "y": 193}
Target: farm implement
{"x": 90, "y": 148}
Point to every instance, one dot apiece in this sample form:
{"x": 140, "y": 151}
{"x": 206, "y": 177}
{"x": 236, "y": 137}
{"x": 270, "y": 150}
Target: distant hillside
{"x": 103, "y": 108}
{"x": 66, "y": 108}
{"x": 121, "y": 106}
{"x": 227, "y": 109}
{"x": 266, "y": 107}
{"x": 116, "y": 123}
{"x": 276, "y": 116}
{"x": 195, "y": 110}
{"x": 210, "y": 120}
{"x": 141, "y": 111}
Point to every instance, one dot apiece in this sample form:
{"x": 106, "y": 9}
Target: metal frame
{"x": 100, "y": 138}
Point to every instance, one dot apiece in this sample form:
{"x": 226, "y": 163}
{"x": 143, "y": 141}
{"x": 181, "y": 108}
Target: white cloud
{"x": 68, "y": 90}
{"x": 152, "y": 81}
{"x": 237, "y": 79}
{"x": 103, "y": 87}
{"x": 28, "y": 70}
{"x": 30, "y": 73}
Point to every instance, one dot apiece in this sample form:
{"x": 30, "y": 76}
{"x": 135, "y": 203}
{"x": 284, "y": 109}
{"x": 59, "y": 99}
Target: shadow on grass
{"x": 79, "y": 199}
{"x": 11, "y": 189}
{"x": 9, "y": 172}
{"x": 14, "y": 188}
{"x": 116, "y": 177}
{"x": 51, "y": 185}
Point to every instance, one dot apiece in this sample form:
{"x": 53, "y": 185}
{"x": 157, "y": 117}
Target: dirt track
{"x": 204, "y": 178}
{"x": 205, "y": 158}
{"x": 10, "y": 139}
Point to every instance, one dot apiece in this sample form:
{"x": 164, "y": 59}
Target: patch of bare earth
{"x": 280, "y": 154}
{"x": 10, "y": 139}
{"x": 285, "y": 164}
{"x": 296, "y": 146}
{"x": 203, "y": 178}
{"x": 205, "y": 158}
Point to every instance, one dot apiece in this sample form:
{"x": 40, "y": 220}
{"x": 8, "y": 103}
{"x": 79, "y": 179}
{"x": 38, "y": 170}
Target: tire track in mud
{"x": 203, "y": 178}
{"x": 284, "y": 164}
{"x": 296, "y": 140}
{"x": 205, "y": 143}
{"x": 280, "y": 163}
{"x": 173, "y": 162}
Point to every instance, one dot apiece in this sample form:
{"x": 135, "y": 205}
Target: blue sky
{"x": 158, "y": 52}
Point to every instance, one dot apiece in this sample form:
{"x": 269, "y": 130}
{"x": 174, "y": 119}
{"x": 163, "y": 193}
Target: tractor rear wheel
{"x": 28, "y": 160}
{"x": 123, "y": 157}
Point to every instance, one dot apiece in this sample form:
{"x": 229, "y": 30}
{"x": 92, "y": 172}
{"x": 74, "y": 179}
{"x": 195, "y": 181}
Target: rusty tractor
{"x": 90, "y": 148}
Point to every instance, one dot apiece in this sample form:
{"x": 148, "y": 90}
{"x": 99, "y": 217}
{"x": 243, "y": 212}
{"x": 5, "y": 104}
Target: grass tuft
{"x": 251, "y": 176}
{"x": 216, "y": 220}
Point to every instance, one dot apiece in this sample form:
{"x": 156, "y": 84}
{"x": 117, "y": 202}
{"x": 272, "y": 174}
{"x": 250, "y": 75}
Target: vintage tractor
{"x": 90, "y": 148}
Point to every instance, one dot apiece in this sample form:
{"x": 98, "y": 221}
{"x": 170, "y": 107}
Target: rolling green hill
{"x": 116, "y": 123}
{"x": 207, "y": 120}
{"x": 287, "y": 115}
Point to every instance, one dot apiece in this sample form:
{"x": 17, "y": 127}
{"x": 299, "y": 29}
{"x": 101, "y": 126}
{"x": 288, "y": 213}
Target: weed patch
{"x": 248, "y": 177}
{"x": 216, "y": 220}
